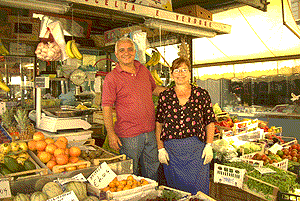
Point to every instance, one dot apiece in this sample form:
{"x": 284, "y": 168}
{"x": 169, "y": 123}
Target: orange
{"x": 123, "y": 182}
{"x": 60, "y": 144}
{"x": 62, "y": 159}
{"x": 75, "y": 151}
{"x": 73, "y": 159}
{"x": 70, "y": 168}
{"x": 130, "y": 177}
{"x": 44, "y": 156}
{"x": 81, "y": 166}
{"x": 32, "y": 145}
{"x": 49, "y": 141}
{"x": 37, "y": 136}
{"x": 53, "y": 158}
{"x": 50, "y": 148}
{"x": 51, "y": 164}
{"x": 40, "y": 145}
{"x": 112, "y": 184}
{"x": 105, "y": 189}
{"x": 58, "y": 151}
{"x": 62, "y": 138}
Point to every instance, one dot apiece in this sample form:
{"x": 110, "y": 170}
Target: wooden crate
{"x": 39, "y": 171}
{"x": 110, "y": 157}
{"x": 196, "y": 11}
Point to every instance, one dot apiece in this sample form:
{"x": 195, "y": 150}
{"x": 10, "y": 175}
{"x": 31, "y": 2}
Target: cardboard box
{"x": 196, "y": 11}
{"x": 24, "y": 28}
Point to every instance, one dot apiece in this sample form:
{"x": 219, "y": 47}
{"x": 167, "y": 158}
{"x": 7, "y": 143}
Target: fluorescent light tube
{"x": 45, "y": 6}
{"x": 179, "y": 28}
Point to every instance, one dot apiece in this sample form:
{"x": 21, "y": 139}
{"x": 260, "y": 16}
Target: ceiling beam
{"x": 266, "y": 59}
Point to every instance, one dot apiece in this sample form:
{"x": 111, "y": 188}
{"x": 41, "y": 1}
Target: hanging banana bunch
{"x": 155, "y": 58}
{"x": 72, "y": 50}
{"x": 156, "y": 77}
{"x": 184, "y": 50}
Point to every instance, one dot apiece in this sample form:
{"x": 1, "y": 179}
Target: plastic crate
{"x": 229, "y": 175}
{"x": 289, "y": 141}
{"x": 287, "y": 197}
{"x": 252, "y": 135}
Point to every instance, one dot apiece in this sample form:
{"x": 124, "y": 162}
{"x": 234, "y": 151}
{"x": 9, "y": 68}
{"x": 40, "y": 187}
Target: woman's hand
{"x": 114, "y": 141}
{"x": 207, "y": 153}
{"x": 163, "y": 156}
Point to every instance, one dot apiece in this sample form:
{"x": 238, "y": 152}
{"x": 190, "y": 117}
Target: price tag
{"x": 264, "y": 170}
{"x": 4, "y": 189}
{"x": 275, "y": 148}
{"x": 69, "y": 196}
{"x": 78, "y": 177}
{"x": 102, "y": 176}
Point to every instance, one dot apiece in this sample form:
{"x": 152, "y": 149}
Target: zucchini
{"x": 4, "y": 170}
{"x": 13, "y": 165}
{"x": 28, "y": 165}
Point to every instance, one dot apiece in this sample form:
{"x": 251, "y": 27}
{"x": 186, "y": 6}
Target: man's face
{"x": 125, "y": 53}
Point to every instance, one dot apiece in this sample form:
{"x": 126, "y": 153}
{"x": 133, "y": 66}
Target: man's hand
{"x": 114, "y": 141}
{"x": 207, "y": 153}
{"x": 163, "y": 156}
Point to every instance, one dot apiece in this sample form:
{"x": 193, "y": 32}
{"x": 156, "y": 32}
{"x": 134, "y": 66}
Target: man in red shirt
{"x": 129, "y": 87}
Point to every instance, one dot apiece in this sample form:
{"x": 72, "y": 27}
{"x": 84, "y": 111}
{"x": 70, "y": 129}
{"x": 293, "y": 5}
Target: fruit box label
{"x": 4, "y": 189}
{"x": 69, "y": 196}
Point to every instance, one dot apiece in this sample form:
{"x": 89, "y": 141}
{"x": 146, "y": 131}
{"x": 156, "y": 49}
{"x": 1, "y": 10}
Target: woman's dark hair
{"x": 177, "y": 62}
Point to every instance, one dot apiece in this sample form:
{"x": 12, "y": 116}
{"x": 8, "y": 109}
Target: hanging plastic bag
{"x": 48, "y": 49}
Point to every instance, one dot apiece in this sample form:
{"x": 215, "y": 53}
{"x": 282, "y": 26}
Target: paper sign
{"x": 68, "y": 196}
{"x": 275, "y": 148}
{"x": 4, "y": 189}
{"x": 102, "y": 176}
{"x": 78, "y": 177}
{"x": 264, "y": 170}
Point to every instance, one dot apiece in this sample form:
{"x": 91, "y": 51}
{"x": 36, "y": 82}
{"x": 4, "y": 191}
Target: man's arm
{"x": 210, "y": 132}
{"x": 114, "y": 140}
{"x": 158, "y": 90}
{"x": 158, "y": 128}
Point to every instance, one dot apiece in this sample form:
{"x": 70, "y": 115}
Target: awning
{"x": 255, "y": 36}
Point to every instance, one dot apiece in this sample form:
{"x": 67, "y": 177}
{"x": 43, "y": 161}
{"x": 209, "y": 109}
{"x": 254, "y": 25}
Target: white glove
{"x": 163, "y": 156}
{"x": 207, "y": 153}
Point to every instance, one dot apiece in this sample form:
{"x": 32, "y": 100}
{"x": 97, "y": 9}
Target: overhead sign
{"x": 150, "y": 12}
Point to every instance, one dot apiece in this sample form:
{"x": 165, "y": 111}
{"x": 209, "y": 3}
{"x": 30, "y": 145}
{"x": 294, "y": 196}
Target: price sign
{"x": 69, "y": 196}
{"x": 102, "y": 176}
{"x": 264, "y": 170}
{"x": 4, "y": 189}
{"x": 78, "y": 177}
{"x": 275, "y": 148}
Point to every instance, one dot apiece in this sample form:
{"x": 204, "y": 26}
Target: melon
{"x": 21, "y": 197}
{"x": 79, "y": 189}
{"x": 52, "y": 189}
{"x": 38, "y": 196}
{"x": 91, "y": 198}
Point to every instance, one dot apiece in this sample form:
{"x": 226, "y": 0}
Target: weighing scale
{"x": 52, "y": 123}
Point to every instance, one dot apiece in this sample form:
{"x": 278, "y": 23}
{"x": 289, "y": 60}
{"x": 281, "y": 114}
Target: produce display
{"x": 55, "y": 152}
{"x": 4, "y": 138}
{"x": 129, "y": 183}
{"x": 14, "y": 158}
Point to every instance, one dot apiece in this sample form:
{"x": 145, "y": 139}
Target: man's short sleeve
{"x": 109, "y": 91}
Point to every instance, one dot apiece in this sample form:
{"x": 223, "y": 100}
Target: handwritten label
{"x": 4, "y": 189}
{"x": 102, "y": 176}
{"x": 275, "y": 148}
{"x": 69, "y": 196}
{"x": 78, "y": 177}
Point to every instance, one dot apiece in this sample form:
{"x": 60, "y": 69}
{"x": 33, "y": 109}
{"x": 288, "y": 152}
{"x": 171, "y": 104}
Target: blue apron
{"x": 186, "y": 171}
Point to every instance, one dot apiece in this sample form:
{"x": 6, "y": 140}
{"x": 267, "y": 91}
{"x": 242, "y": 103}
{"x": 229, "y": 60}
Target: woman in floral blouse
{"x": 184, "y": 131}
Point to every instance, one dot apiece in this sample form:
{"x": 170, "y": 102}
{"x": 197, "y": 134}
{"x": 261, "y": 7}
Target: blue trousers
{"x": 144, "y": 147}
{"x": 186, "y": 171}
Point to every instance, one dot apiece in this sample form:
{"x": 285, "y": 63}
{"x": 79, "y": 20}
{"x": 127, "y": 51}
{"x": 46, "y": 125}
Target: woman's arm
{"x": 158, "y": 128}
{"x": 210, "y": 132}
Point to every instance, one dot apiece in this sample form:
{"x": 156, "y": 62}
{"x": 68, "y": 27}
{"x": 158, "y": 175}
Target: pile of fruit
{"x": 267, "y": 159}
{"x": 126, "y": 184}
{"x": 52, "y": 190}
{"x": 292, "y": 153}
{"x": 55, "y": 152}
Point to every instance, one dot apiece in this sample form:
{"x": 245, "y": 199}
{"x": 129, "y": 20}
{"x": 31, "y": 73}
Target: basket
{"x": 229, "y": 175}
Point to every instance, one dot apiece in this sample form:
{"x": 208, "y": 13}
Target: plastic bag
{"x": 48, "y": 49}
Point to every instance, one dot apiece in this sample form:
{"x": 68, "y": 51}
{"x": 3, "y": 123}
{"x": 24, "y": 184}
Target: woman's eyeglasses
{"x": 177, "y": 71}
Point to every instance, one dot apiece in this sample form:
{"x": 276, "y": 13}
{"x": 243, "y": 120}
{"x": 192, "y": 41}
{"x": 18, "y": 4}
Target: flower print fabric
{"x": 184, "y": 121}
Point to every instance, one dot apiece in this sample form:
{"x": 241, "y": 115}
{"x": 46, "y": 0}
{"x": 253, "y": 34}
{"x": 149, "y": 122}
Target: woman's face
{"x": 181, "y": 75}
